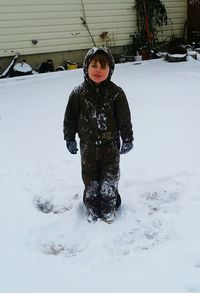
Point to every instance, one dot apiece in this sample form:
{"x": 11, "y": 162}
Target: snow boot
{"x": 118, "y": 202}
{"x": 109, "y": 217}
{"x": 92, "y": 216}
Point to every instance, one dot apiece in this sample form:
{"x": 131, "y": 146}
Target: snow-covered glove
{"x": 126, "y": 147}
{"x": 72, "y": 146}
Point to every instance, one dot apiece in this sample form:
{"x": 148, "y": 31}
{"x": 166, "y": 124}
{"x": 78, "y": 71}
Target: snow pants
{"x": 100, "y": 174}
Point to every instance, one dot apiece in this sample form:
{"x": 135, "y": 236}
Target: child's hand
{"x": 72, "y": 146}
{"x": 126, "y": 147}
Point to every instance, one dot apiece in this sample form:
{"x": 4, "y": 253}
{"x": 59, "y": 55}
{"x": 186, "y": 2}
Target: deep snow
{"x": 154, "y": 244}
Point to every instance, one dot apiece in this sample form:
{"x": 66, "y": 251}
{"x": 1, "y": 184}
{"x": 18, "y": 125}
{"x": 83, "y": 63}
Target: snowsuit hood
{"x": 90, "y": 54}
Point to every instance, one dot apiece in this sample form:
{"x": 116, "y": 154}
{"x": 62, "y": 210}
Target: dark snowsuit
{"x": 101, "y": 116}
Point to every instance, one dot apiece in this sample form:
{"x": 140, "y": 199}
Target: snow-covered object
{"x": 22, "y": 67}
{"x": 10, "y": 67}
{"x": 192, "y": 53}
{"x": 176, "y": 57}
{"x": 198, "y": 56}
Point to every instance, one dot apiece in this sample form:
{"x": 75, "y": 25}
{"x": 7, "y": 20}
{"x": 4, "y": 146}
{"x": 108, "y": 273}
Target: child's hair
{"x": 101, "y": 58}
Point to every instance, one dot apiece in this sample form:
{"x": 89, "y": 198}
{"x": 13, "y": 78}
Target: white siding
{"x": 57, "y": 24}
{"x": 177, "y": 12}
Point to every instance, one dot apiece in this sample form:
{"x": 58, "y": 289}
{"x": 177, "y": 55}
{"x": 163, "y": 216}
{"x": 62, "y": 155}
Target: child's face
{"x": 97, "y": 73}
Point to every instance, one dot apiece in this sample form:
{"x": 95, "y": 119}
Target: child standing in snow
{"x": 98, "y": 111}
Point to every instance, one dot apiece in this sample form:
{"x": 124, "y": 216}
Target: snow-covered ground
{"x": 154, "y": 245}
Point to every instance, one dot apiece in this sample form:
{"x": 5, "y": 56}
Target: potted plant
{"x": 136, "y": 45}
{"x": 151, "y": 16}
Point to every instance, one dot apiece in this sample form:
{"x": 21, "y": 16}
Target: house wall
{"x": 57, "y": 25}
{"x": 31, "y": 27}
{"x": 177, "y": 13}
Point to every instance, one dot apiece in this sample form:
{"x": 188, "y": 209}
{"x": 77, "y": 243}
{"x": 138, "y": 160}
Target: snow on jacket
{"x": 99, "y": 114}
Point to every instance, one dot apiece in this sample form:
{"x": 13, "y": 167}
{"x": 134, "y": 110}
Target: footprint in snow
{"x": 47, "y": 206}
{"x": 54, "y": 249}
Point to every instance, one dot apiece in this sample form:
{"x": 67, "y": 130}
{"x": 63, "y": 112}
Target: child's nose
{"x": 98, "y": 68}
